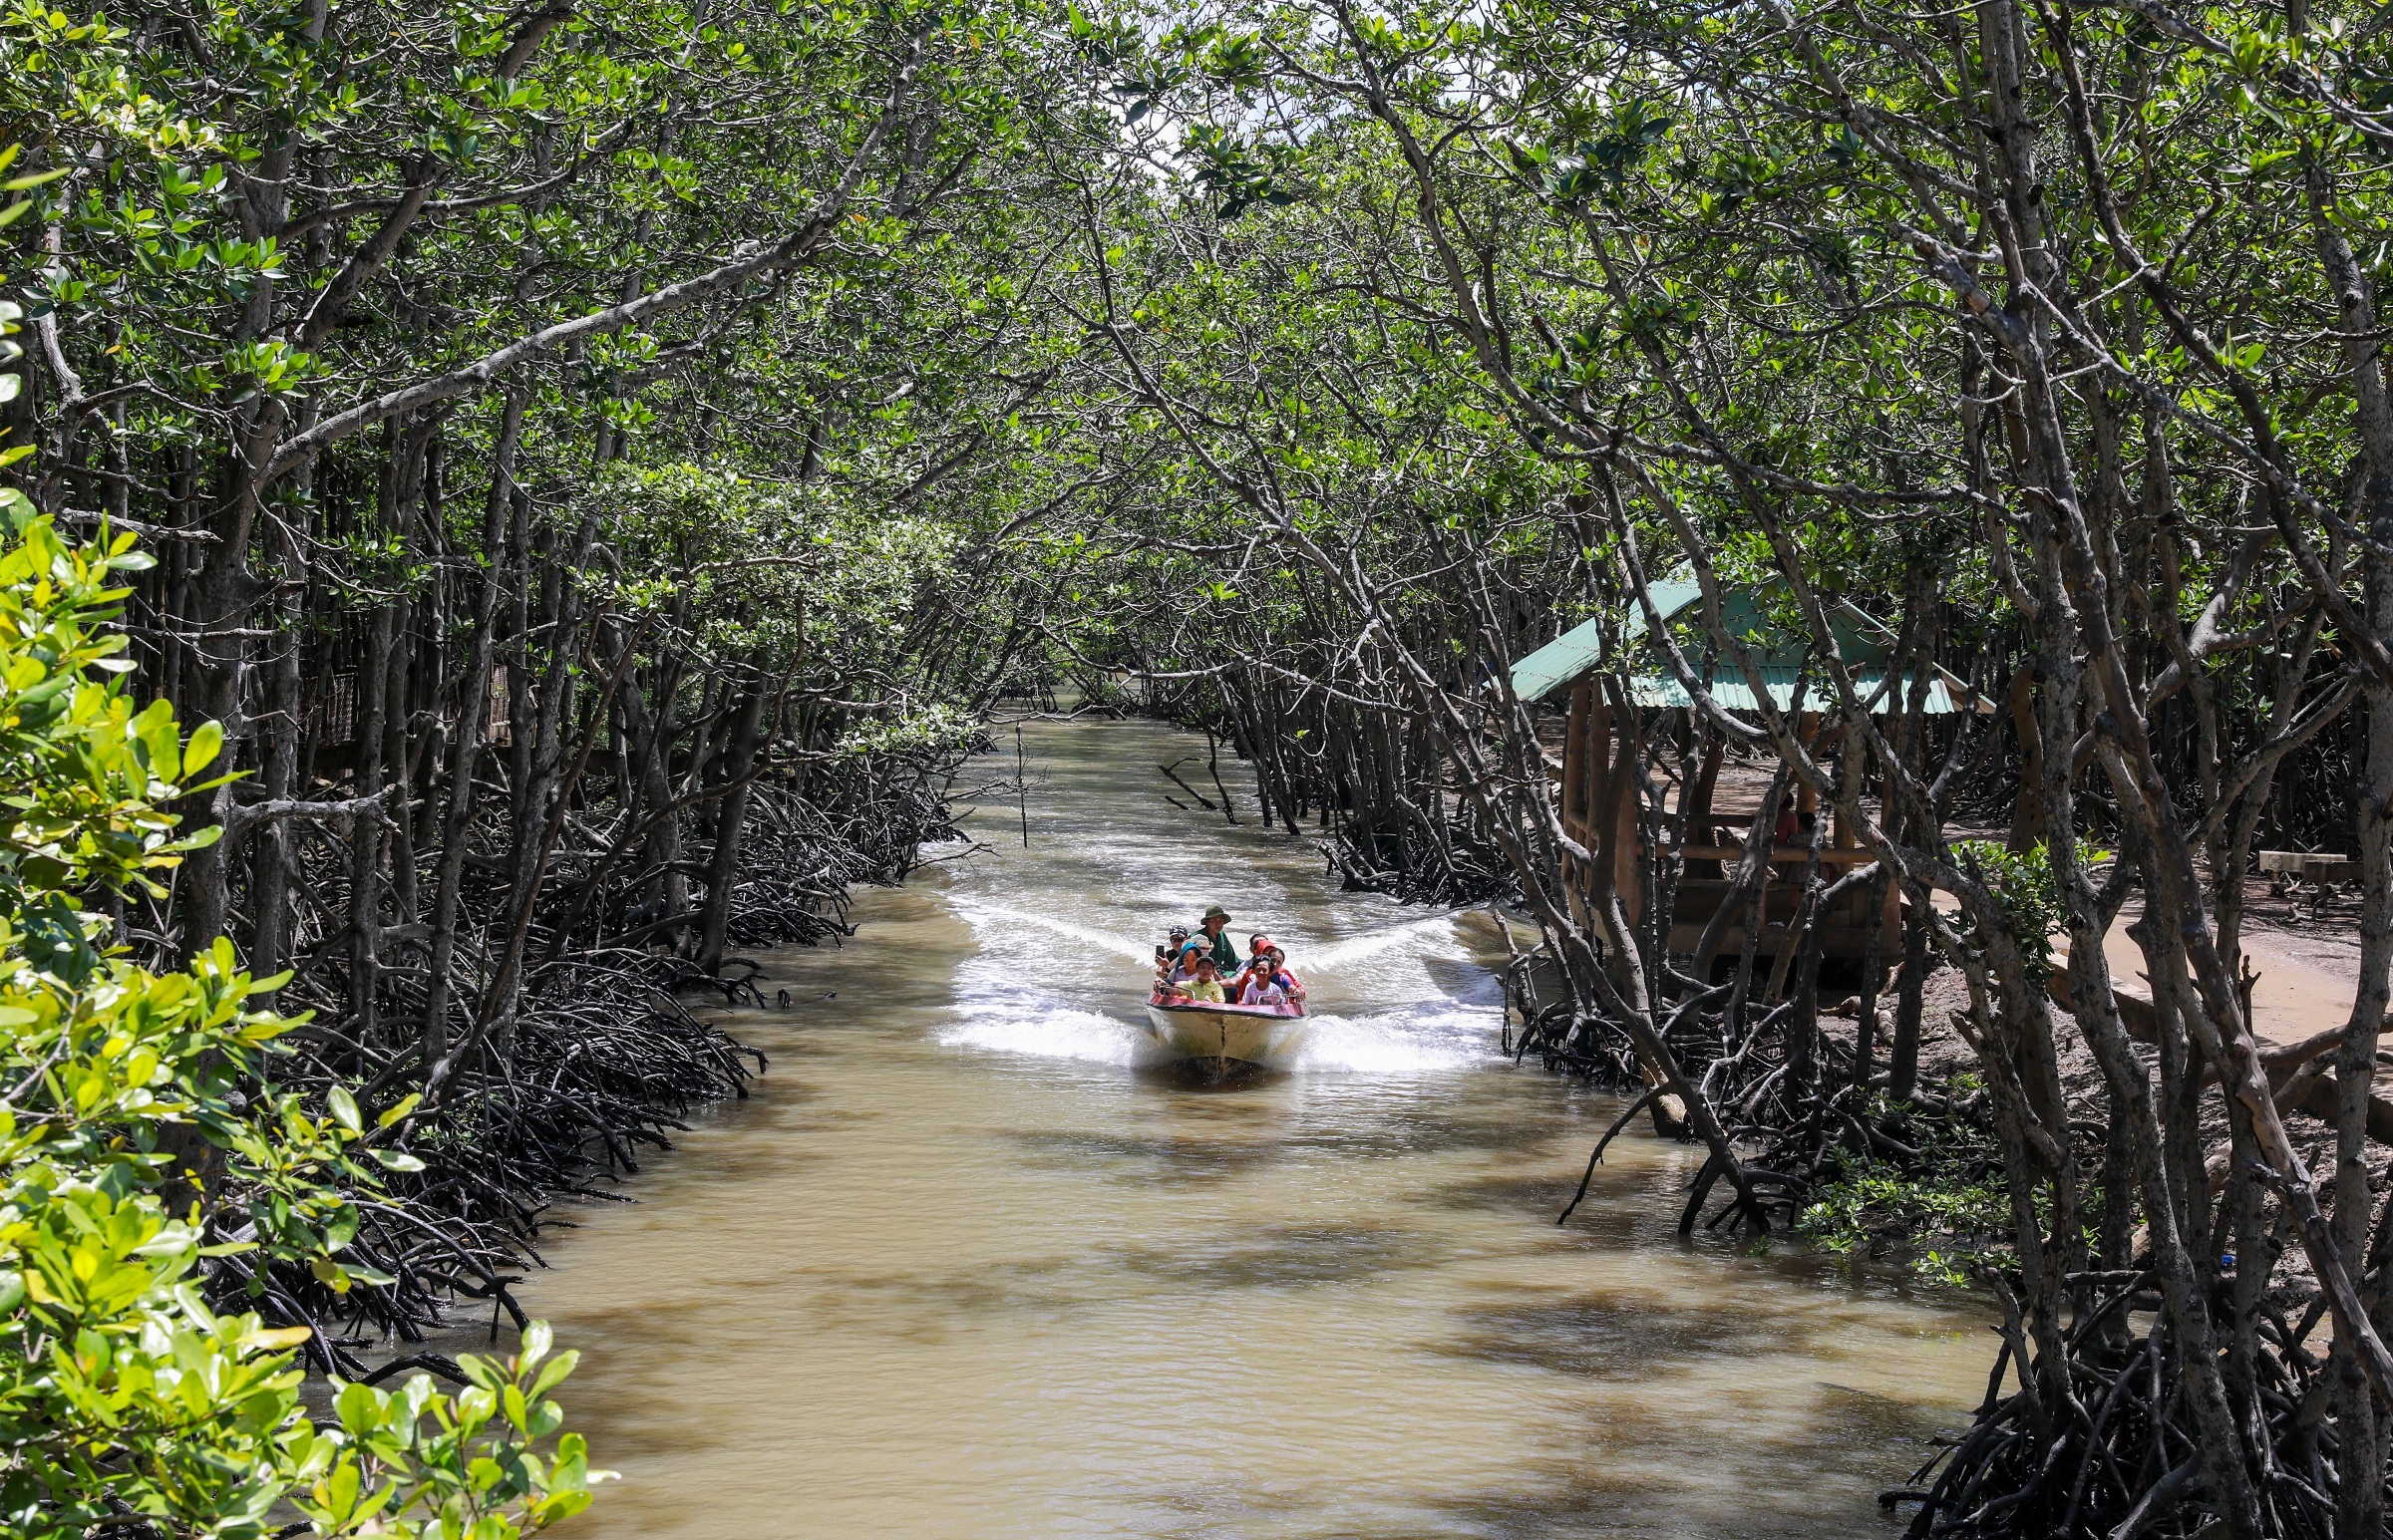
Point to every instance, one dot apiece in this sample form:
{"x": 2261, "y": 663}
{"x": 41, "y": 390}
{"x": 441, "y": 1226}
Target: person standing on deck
{"x": 1217, "y": 930}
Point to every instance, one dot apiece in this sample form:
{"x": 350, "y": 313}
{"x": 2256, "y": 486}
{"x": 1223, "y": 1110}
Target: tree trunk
{"x": 731, "y": 817}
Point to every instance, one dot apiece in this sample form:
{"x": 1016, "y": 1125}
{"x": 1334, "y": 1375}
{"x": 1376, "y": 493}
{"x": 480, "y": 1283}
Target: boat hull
{"x": 1222, "y": 1037}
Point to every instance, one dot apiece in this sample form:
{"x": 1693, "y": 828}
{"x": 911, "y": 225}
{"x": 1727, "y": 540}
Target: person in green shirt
{"x": 1217, "y": 930}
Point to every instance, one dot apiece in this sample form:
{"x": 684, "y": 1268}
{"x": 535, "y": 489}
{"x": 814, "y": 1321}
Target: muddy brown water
{"x": 965, "y": 1265}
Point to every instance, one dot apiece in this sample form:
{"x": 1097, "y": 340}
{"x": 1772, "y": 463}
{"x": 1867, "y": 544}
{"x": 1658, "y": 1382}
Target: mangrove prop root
{"x": 601, "y": 1061}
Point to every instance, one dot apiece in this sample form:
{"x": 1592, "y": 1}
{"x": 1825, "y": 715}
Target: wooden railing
{"x": 1828, "y": 856}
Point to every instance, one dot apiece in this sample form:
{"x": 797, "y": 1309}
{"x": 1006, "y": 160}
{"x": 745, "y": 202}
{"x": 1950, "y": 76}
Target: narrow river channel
{"x": 963, "y": 1268}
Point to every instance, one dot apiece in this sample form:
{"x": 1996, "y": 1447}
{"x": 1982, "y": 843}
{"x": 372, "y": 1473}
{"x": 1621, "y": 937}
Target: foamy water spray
{"x": 1121, "y": 946}
{"x": 1356, "y": 948}
{"x": 1403, "y": 1025}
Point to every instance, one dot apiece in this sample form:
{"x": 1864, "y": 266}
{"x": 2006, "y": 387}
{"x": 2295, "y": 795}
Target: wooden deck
{"x": 1600, "y": 812}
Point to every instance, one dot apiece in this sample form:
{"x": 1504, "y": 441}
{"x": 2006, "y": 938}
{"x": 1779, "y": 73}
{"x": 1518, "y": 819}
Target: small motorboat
{"x": 1218, "y": 1037}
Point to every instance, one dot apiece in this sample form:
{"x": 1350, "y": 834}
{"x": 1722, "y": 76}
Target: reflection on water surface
{"x": 963, "y": 1267}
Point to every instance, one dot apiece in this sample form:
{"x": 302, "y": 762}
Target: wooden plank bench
{"x": 2307, "y": 877}
{"x": 2308, "y": 867}
{"x": 1830, "y": 856}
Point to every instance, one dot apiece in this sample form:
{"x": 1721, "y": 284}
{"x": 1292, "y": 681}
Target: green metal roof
{"x": 1580, "y": 649}
{"x": 1560, "y": 661}
{"x": 1866, "y": 646}
{"x": 1733, "y": 692}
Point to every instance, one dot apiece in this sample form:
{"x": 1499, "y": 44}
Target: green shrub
{"x": 1948, "y": 1214}
{"x": 134, "y": 1105}
{"x": 1942, "y": 1214}
{"x": 2023, "y": 883}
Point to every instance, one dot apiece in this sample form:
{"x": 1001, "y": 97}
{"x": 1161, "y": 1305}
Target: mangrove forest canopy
{"x": 508, "y": 507}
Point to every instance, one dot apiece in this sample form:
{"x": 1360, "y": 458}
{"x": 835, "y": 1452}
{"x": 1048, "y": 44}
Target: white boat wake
{"x": 1353, "y": 949}
{"x": 1414, "y": 1039}
{"x": 999, "y": 1007}
{"x": 975, "y": 911}
{"x": 1043, "y": 1031}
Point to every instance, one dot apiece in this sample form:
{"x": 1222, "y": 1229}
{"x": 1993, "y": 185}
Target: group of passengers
{"x": 1205, "y": 968}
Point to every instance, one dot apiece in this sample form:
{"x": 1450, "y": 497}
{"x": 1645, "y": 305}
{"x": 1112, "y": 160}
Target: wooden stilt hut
{"x": 1620, "y": 692}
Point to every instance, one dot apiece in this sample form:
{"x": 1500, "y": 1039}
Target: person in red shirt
{"x": 1257, "y": 970}
{"x": 1276, "y": 976}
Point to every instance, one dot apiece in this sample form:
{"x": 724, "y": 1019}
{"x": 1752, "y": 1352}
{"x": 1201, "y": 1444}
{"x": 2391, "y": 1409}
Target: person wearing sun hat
{"x": 1216, "y": 931}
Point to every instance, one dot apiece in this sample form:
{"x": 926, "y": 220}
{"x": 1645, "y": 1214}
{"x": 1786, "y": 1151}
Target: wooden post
{"x": 1699, "y": 793}
{"x": 1574, "y": 761}
{"x": 1596, "y": 759}
{"x": 1596, "y": 833}
{"x": 1574, "y": 798}
{"x": 2029, "y": 814}
{"x": 1624, "y": 820}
